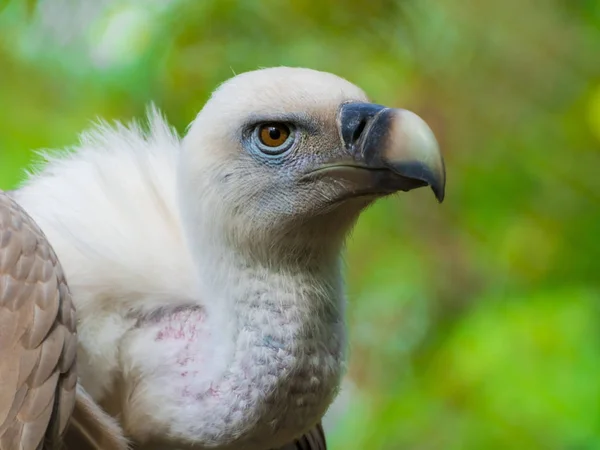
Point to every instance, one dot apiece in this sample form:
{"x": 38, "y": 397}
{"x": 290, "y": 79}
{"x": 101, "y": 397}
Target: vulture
{"x": 159, "y": 292}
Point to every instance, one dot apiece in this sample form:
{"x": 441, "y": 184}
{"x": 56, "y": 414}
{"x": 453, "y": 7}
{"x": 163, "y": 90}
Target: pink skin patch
{"x": 182, "y": 325}
{"x": 185, "y": 326}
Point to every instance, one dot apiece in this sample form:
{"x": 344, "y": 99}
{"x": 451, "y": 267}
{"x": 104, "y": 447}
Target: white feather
{"x": 109, "y": 207}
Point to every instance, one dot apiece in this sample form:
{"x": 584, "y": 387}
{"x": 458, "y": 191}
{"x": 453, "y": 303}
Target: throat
{"x": 287, "y": 361}
{"x": 259, "y": 365}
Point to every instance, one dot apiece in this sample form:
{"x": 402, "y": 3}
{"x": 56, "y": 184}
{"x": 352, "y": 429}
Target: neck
{"x": 279, "y": 328}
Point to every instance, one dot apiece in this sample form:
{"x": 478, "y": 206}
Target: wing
{"x": 38, "y": 339}
{"x": 313, "y": 440}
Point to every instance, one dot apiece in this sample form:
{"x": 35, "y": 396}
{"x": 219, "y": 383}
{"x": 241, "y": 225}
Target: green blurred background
{"x": 474, "y": 324}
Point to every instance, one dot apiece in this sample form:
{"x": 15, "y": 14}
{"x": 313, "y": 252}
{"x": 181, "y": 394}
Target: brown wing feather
{"x": 313, "y": 440}
{"x": 38, "y": 338}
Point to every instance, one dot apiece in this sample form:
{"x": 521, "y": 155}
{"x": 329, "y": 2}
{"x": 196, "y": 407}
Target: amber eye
{"x": 273, "y": 135}
{"x": 274, "y": 138}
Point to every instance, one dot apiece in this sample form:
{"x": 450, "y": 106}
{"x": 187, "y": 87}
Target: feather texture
{"x": 38, "y": 338}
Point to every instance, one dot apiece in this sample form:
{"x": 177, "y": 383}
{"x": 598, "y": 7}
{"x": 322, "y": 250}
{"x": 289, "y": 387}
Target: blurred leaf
{"x": 594, "y": 112}
{"x": 30, "y": 7}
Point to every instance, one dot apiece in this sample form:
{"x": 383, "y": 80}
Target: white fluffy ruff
{"x": 252, "y": 359}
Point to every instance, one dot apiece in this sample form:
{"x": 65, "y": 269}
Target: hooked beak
{"x": 395, "y": 146}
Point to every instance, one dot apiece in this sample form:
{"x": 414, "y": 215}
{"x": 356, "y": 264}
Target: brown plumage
{"x": 38, "y": 339}
{"x": 38, "y": 346}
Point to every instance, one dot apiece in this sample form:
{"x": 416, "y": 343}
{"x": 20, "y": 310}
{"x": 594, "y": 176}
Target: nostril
{"x": 359, "y": 130}
{"x": 355, "y": 122}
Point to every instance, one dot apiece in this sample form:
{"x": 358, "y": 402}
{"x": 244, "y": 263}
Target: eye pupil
{"x": 274, "y": 133}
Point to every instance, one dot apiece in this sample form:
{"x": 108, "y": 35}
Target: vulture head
{"x": 206, "y": 271}
{"x": 287, "y": 158}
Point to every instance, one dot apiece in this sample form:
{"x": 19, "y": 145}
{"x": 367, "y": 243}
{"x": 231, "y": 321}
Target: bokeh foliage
{"x": 474, "y": 324}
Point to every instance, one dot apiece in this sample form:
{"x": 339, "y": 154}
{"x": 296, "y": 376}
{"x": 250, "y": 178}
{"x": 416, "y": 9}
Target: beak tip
{"x": 439, "y": 193}
{"x": 438, "y": 186}
{"x": 421, "y": 144}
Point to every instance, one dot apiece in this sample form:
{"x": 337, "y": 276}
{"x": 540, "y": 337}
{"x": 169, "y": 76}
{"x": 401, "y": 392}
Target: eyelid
{"x": 296, "y": 120}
